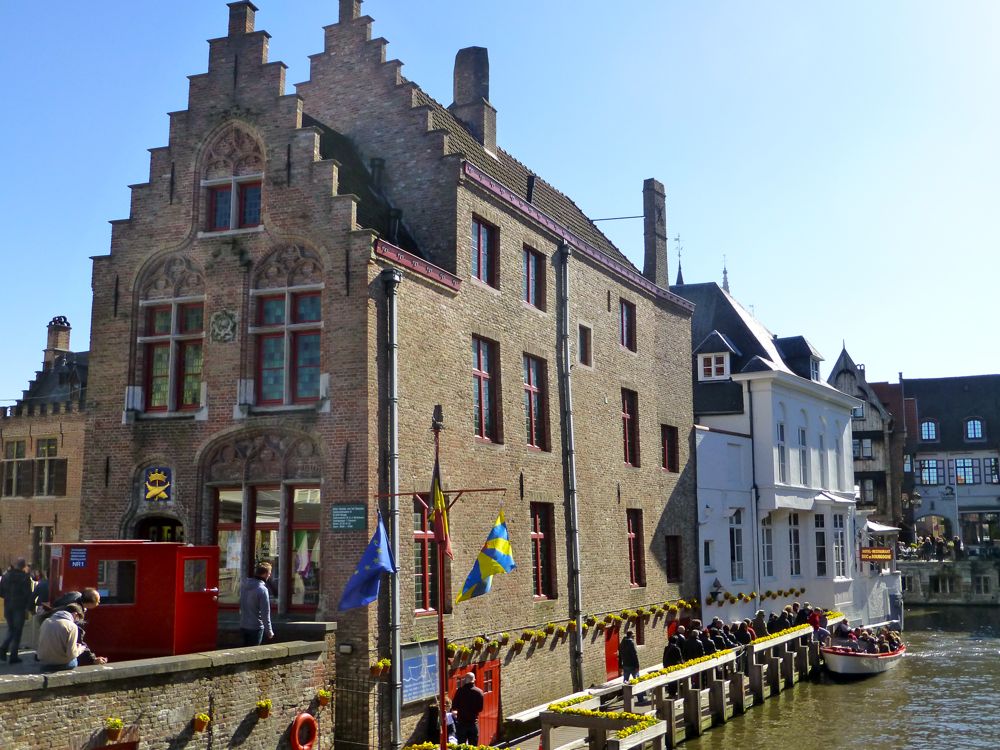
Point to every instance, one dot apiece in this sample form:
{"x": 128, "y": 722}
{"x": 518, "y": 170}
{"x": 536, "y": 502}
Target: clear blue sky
{"x": 843, "y": 157}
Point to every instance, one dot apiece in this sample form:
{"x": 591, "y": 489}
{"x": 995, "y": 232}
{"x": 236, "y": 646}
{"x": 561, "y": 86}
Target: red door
{"x": 197, "y": 611}
{"x": 611, "y": 653}
{"x": 487, "y": 677}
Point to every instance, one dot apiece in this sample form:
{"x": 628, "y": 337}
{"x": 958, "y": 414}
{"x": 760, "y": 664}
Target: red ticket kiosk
{"x": 157, "y": 598}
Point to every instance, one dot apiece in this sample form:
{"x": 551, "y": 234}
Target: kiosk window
{"x": 116, "y": 581}
{"x": 195, "y": 575}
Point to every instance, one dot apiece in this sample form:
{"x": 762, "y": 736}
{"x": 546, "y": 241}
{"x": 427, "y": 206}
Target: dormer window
{"x": 858, "y": 412}
{"x": 713, "y": 366}
{"x": 814, "y": 368}
{"x": 974, "y": 429}
{"x": 928, "y": 430}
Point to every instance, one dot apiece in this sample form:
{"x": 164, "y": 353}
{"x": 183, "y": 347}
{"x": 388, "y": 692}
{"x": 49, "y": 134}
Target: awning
{"x": 831, "y": 498}
{"x": 879, "y": 528}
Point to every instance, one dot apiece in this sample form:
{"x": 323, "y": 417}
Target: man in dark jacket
{"x": 628, "y": 657}
{"x": 15, "y": 588}
{"x": 672, "y": 654}
{"x": 467, "y": 704}
{"x": 692, "y": 648}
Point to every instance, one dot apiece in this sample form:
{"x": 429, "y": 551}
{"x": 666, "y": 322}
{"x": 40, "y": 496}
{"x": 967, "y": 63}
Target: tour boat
{"x": 844, "y": 661}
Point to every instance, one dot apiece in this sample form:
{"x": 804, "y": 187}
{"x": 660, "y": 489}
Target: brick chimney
{"x": 472, "y": 95}
{"x": 57, "y": 342}
{"x": 654, "y": 212}
{"x": 349, "y": 10}
{"x": 241, "y": 16}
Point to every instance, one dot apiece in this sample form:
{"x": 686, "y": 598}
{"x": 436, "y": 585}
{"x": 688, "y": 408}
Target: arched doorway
{"x": 159, "y": 529}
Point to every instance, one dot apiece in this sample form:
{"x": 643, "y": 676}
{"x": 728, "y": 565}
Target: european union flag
{"x": 495, "y": 557}
{"x": 362, "y": 589}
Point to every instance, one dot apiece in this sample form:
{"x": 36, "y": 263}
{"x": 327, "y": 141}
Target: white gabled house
{"x": 776, "y": 499}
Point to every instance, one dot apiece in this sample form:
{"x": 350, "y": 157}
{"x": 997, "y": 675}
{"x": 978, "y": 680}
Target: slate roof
{"x": 66, "y": 381}
{"x": 951, "y": 401}
{"x": 514, "y": 175}
{"x": 867, "y": 392}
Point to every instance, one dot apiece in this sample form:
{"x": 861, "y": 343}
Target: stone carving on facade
{"x": 174, "y": 276}
{"x": 289, "y": 266}
{"x": 233, "y": 153}
{"x": 222, "y": 326}
{"x": 267, "y": 456}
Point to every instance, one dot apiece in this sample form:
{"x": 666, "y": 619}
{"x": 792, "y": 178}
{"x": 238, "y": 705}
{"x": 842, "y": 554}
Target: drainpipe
{"x": 391, "y": 278}
{"x": 754, "y": 498}
{"x": 569, "y": 447}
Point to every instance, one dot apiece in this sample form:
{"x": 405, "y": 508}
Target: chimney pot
{"x": 241, "y": 17}
{"x": 472, "y": 95}
{"x": 654, "y": 211}
{"x": 57, "y": 341}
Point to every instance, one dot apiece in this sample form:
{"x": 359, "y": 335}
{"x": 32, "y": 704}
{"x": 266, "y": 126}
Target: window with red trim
{"x": 636, "y": 549}
{"x": 673, "y": 558}
{"x": 533, "y": 278}
{"x": 542, "y": 561}
{"x": 173, "y": 355}
{"x": 484, "y": 252}
{"x": 289, "y": 347}
{"x": 425, "y": 578}
{"x": 671, "y": 448}
{"x": 630, "y": 426}
{"x": 225, "y": 214}
{"x": 535, "y": 422}
{"x": 484, "y": 389}
{"x": 626, "y": 333}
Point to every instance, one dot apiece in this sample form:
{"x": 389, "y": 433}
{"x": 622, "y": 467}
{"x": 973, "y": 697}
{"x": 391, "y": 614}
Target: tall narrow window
{"x": 484, "y": 252}
{"x": 636, "y": 548}
{"x": 17, "y": 472}
{"x": 838, "y": 455}
{"x": 630, "y": 426}
{"x": 708, "y": 554}
{"x": 782, "y": 453}
{"x": 50, "y": 471}
{"x": 425, "y": 575}
{"x": 484, "y": 410}
{"x": 626, "y": 333}
{"x": 803, "y": 458}
{"x": 288, "y": 346}
{"x": 866, "y": 448}
{"x": 824, "y": 468}
{"x": 585, "y": 346}
{"x": 173, "y": 340}
{"x": 794, "y": 547}
{"x": 991, "y": 470}
{"x": 767, "y": 547}
{"x": 533, "y": 278}
{"x": 839, "y": 546}
{"x": 672, "y": 562}
{"x": 868, "y": 491}
{"x": 535, "y": 423}
{"x": 819, "y": 522}
{"x": 671, "y": 448}
{"x": 542, "y": 561}
{"x": 736, "y": 545}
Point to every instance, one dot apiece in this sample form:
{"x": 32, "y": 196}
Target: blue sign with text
{"x": 78, "y": 557}
{"x": 420, "y": 671}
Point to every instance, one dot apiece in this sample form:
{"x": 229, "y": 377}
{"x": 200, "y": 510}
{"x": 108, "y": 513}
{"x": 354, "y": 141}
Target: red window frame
{"x": 672, "y": 557}
{"x": 294, "y": 362}
{"x": 261, "y": 300}
{"x": 542, "y": 561}
{"x": 182, "y": 375}
{"x": 288, "y": 497}
{"x": 630, "y": 426}
{"x": 150, "y": 350}
{"x": 182, "y": 326}
{"x": 534, "y": 402}
{"x": 151, "y": 320}
{"x": 241, "y": 215}
{"x": 213, "y": 199}
{"x": 424, "y": 560}
{"x": 626, "y": 337}
{"x": 484, "y": 251}
{"x": 533, "y": 267}
{"x": 295, "y": 307}
{"x": 483, "y": 367}
{"x": 671, "y": 448}
{"x": 636, "y": 554}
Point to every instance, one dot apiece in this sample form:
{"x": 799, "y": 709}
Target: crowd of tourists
{"x": 864, "y": 640}
{"x": 932, "y": 547}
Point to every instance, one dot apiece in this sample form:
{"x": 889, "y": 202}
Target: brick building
{"x": 303, "y": 278}
{"x": 42, "y": 461}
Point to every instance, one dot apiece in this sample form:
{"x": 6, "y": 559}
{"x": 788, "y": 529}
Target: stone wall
{"x": 158, "y": 698}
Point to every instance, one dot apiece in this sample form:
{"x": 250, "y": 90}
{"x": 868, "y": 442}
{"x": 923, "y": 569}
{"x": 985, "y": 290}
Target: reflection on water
{"x": 944, "y": 694}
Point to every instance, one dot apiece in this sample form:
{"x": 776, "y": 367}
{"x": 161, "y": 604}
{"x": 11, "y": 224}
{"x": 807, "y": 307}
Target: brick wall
{"x": 158, "y": 698}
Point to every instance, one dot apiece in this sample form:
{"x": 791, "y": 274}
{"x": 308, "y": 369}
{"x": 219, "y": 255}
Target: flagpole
{"x": 437, "y": 423}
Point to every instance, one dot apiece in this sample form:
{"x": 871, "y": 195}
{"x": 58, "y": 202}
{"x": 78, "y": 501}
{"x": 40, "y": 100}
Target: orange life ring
{"x": 304, "y": 720}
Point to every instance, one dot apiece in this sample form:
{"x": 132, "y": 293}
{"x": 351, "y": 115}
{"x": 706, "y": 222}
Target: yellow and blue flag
{"x": 439, "y": 513}
{"x": 363, "y": 586}
{"x": 495, "y": 557}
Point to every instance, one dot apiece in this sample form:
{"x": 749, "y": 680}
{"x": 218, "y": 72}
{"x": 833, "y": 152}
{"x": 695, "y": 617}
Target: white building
{"x": 777, "y": 515}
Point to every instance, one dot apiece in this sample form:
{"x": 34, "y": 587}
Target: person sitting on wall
{"x": 59, "y": 645}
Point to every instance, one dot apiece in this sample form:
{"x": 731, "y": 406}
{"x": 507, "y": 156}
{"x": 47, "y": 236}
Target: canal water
{"x": 944, "y": 694}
